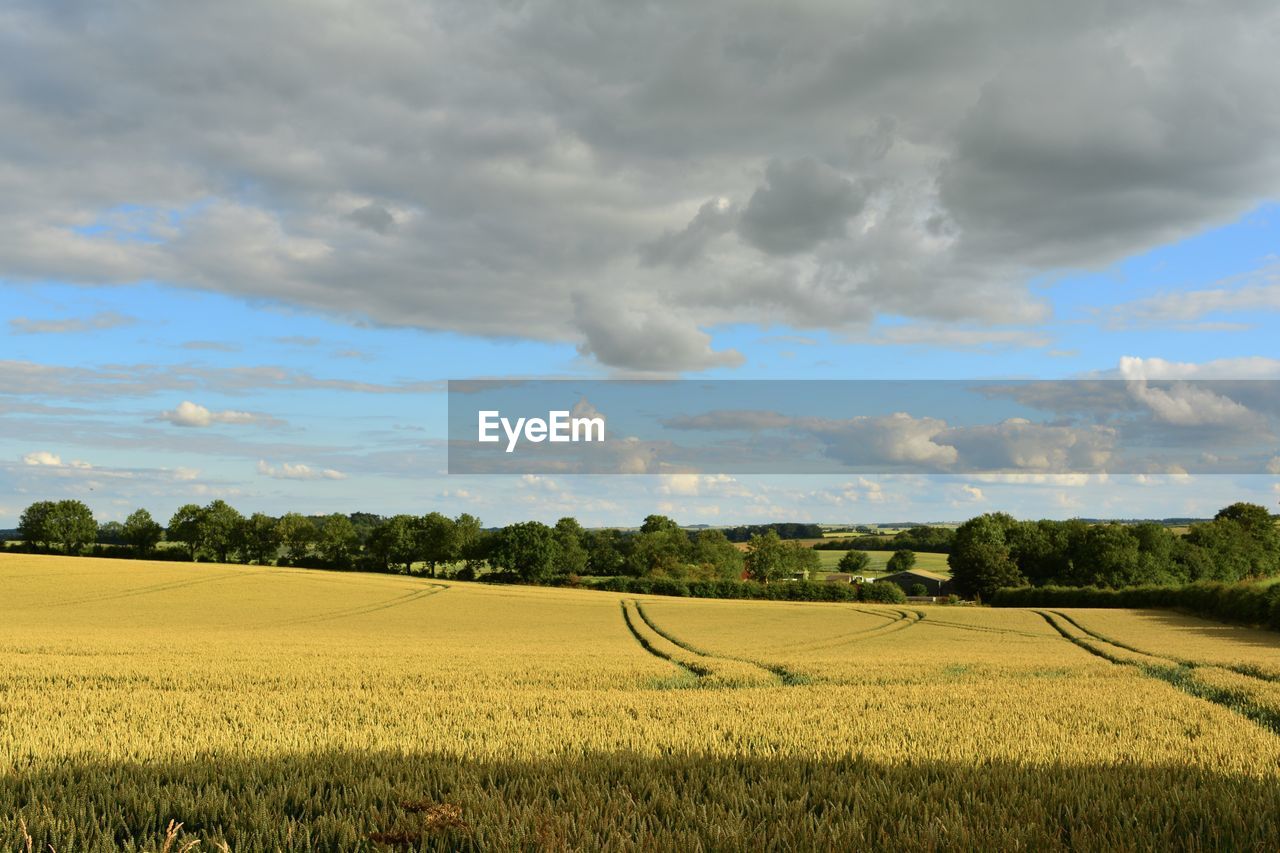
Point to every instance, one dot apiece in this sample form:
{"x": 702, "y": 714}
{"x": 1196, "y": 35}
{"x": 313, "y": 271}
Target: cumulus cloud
{"x": 916, "y": 160}
{"x": 189, "y": 414}
{"x": 45, "y": 459}
{"x": 641, "y": 335}
{"x": 801, "y": 204}
{"x": 1251, "y": 367}
{"x": 1019, "y": 444}
{"x": 295, "y": 471}
{"x": 897, "y": 439}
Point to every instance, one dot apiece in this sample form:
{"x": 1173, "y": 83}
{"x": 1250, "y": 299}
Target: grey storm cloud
{"x": 507, "y": 170}
{"x": 801, "y": 205}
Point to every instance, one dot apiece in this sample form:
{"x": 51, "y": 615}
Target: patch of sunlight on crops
{"x": 275, "y": 709}
{"x": 1165, "y": 633}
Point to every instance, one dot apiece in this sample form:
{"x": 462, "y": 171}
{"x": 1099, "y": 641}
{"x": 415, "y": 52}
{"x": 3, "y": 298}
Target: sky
{"x": 244, "y": 245}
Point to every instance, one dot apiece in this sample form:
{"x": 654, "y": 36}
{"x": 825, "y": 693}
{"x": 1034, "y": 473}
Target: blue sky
{"x": 253, "y": 284}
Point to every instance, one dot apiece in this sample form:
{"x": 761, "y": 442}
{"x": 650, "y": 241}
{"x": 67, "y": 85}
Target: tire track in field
{"x": 1242, "y": 669}
{"x": 785, "y": 675}
{"x": 906, "y": 620}
{"x": 897, "y": 616}
{"x": 1172, "y": 672}
{"x": 360, "y": 610}
{"x": 689, "y": 667}
{"x": 134, "y": 592}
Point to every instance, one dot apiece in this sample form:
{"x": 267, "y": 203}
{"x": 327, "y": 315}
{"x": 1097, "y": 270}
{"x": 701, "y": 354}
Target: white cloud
{"x": 292, "y": 471}
{"x": 43, "y": 458}
{"x": 189, "y": 414}
{"x": 1249, "y": 367}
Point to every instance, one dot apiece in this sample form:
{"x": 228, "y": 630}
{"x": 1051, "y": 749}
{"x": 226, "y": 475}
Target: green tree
{"x": 571, "y": 557}
{"x": 527, "y": 548}
{"x": 767, "y": 557}
{"x": 437, "y": 542}
{"x": 980, "y": 559}
{"x": 469, "y": 541}
{"x": 901, "y": 561}
{"x": 297, "y": 534}
{"x": 221, "y": 529}
{"x": 142, "y": 532}
{"x": 607, "y": 552}
{"x": 801, "y": 560}
{"x": 33, "y": 525}
{"x": 71, "y": 526}
{"x": 337, "y": 540}
{"x": 918, "y": 589}
{"x": 395, "y": 541}
{"x": 716, "y": 555}
{"x": 854, "y": 562}
{"x": 261, "y": 537}
{"x": 111, "y": 533}
{"x": 661, "y": 548}
{"x": 187, "y": 526}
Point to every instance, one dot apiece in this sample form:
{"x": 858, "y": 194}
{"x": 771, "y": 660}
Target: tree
{"x": 187, "y": 526}
{"x": 528, "y": 549}
{"x": 111, "y": 533}
{"x": 296, "y": 533}
{"x": 221, "y": 529}
{"x": 142, "y": 532}
{"x": 661, "y": 548}
{"x": 261, "y": 538}
{"x": 766, "y": 558}
{"x": 395, "y": 541}
{"x": 716, "y": 555}
{"x": 437, "y": 542}
{"x": 980, "y": 560}
{"x": 571, "y": 557}
{"x": 901, "y": 561}
{"x": 607, "y": 552}
{"x": 70, "y": 524}
{"x": 469, "y": 541}
{"x": 33, "y": 526}
{"x": 337, "y": 540}
{"x": 854, "y": 562}
{"x": 917, "y": 589}
{"x": 800, "y": 559}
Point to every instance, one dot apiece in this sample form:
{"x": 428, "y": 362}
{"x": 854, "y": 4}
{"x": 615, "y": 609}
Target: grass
{"x": 936, "y": 563}
{"x": 278, "y": 709}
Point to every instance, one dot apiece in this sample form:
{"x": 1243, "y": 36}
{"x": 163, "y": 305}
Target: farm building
{"x": 935, "y": 584}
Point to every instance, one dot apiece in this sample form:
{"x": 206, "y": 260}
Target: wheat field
{"x": 150, "y": 706}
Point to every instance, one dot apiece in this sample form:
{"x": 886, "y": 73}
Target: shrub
{"x": 881, "y": 593}
{"x": 1246, "y": 603}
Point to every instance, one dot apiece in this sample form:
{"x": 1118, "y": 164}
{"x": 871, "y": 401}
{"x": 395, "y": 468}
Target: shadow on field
{"x": 1204, "y": 628}
{"x": 621, "y": 801}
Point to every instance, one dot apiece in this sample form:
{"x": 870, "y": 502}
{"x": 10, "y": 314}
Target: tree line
{"x": 995, "y": 551}
{"x": 528, "y": 551}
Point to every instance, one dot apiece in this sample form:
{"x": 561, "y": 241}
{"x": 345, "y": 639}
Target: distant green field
{"x": 929, "y": 562}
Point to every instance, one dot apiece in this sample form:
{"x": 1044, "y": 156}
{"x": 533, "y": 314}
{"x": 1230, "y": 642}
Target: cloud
{"x": 917, "y": 160}
{"x": 143, "y": 380}
{"x": 644, "y": 336}
{"x": 683, "y": 247}
{"x": 897, "y": 439}
{"x": 1182, "y": 404}
{"x": 801, "y": 204}
{"x": 189, "y": 414}
{"x": 77, "y": 325}
{"x": 290, "y": 471}
{"x": 45, "y": 459}
{"x": 940, "y": 335}
{"x": 1251, "y": 367}
{"x": 1019, "y": 444}
{"x": 1260, "y": 291}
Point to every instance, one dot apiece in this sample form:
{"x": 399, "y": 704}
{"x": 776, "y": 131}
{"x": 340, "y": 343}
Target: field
{"x": 266, "y": 709}
{"x": 936, "y": 563}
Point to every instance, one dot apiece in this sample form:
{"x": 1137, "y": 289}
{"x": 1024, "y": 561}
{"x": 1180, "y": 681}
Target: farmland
{"x": 936, "y": 563}
{"x": 266, "y": 708}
